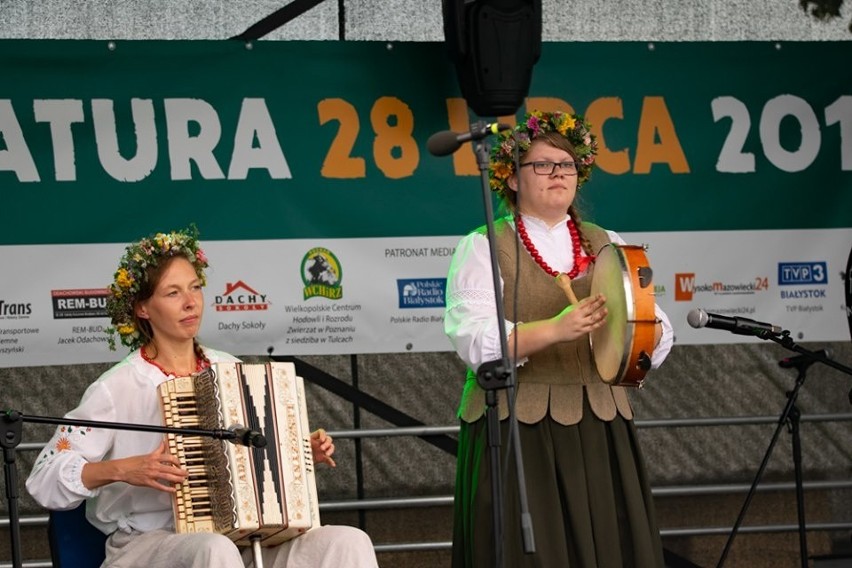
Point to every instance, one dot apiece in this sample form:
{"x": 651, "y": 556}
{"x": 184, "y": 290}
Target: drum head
{"x": 611, "y": 342}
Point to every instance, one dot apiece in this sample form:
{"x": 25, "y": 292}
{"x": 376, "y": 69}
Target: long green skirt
{"x": 589, "y": 498}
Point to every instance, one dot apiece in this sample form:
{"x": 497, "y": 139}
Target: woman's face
{"x": 546, "y": 197}
{"x": 174, "y": 309}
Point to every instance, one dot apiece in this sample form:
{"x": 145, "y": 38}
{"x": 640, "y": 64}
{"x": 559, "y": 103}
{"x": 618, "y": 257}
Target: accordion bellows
{"x": 243, "y": 492}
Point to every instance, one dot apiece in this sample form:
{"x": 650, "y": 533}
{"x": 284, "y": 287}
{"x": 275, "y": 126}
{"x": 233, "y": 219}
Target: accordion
{"x": 243, "y": 492}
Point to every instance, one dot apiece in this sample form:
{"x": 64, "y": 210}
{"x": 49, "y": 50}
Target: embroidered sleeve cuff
{"x": 72, "y": 477}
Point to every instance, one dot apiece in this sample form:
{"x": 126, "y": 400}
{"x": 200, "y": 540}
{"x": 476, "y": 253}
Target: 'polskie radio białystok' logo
{"x": 322, "y": 274}
{"x": 421, "y": 292}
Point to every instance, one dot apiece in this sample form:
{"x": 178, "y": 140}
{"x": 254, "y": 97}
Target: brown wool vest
{"x": 555, "y": 378}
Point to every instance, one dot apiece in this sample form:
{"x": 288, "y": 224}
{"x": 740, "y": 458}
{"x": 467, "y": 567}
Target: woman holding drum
{"x": 589, "y": 498}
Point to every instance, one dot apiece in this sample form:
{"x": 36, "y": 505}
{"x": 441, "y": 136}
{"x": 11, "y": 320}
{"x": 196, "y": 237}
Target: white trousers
{"x": 329, "y": 546}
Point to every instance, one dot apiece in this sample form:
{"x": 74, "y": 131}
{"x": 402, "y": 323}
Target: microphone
{"x": 740, "y": 326}
{"x": 796, "y": 360}
{"x": 246, "y": 436}
{"x": 446, "y": 142}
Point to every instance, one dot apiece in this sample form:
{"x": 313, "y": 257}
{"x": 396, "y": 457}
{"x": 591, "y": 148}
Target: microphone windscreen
{"x": 697, "y": 318}
{"x": 443, "y": 143}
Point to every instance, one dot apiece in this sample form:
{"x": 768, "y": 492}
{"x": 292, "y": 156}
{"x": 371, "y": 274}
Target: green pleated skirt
{"x": 589, "y": 499}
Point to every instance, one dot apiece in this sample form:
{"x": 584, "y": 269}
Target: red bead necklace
{"x": 575, "y": 246}
{"x": 199, "y": 364}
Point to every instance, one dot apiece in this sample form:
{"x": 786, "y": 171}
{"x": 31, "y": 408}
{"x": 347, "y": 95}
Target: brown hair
{"x": 153, "y": 275}
{"x": 509, "y": 198}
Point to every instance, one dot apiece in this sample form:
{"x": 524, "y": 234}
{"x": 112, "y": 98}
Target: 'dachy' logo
{"x": 322, "y": 274}
{"x": 240, "y": 297}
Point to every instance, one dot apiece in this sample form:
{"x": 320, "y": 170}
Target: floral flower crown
{"x": 133, "y": 272}
{"x": 573, "y": 127}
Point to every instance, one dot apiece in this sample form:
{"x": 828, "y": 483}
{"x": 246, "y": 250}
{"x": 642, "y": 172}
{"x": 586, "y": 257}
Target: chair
{"x": 74, "y": 542}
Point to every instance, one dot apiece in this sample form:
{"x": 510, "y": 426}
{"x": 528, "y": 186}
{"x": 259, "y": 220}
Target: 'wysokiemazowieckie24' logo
{"x": 322, "y": 274}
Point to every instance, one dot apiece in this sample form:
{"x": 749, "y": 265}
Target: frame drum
{"x": 623, "y": 346}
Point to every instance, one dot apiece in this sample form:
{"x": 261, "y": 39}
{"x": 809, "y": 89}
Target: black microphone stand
{"x": 791, "y": 415}
{"x": 10, "y": 429}
{"x": 493, "y": 376}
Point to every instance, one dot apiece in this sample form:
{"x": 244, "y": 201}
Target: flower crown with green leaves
{"x": 572, "y": 126}
{"x": 133, "y": 272}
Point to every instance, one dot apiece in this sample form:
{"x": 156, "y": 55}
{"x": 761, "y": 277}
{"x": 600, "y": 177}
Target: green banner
{"x": 106, "y": 141}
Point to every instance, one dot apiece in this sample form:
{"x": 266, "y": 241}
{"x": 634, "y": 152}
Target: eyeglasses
{"x": 546, "y": 168}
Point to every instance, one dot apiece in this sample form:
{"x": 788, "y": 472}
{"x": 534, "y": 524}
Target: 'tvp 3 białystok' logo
{"x": 802, "y": 273}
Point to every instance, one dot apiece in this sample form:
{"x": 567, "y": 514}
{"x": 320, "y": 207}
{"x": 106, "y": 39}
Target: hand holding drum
{"x": 585, "y": 315}
{"x": 623, "y": 345}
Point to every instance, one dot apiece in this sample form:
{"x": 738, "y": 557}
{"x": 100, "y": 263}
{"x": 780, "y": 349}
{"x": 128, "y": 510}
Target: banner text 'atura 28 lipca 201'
{"x": 329, "y": 226}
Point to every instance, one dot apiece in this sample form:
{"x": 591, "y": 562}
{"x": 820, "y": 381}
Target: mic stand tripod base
{"x": 790, "y": 417}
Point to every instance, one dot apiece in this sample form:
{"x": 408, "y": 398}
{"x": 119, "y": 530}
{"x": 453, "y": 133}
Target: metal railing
{"x": 366, "y": 504}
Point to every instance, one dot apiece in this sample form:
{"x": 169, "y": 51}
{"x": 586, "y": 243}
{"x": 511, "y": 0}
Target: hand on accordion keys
{"x": 158, "y": 470}
{"x": 322, "y": 447}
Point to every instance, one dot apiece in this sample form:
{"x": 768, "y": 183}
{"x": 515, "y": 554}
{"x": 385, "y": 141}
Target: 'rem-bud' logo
{"x": 321, "y": 274}
{"x": 240, "y": 297}
{"x": 80, "y": 303}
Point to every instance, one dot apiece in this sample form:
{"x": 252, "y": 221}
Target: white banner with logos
{"x": 309, "y": 297}
{"x": 791, "y": 279}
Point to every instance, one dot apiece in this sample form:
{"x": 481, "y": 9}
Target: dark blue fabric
{"x": 74, "y": 542}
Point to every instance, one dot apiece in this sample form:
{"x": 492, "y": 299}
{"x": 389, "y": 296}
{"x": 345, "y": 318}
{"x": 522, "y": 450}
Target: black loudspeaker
{"x": 494, "y": 45}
